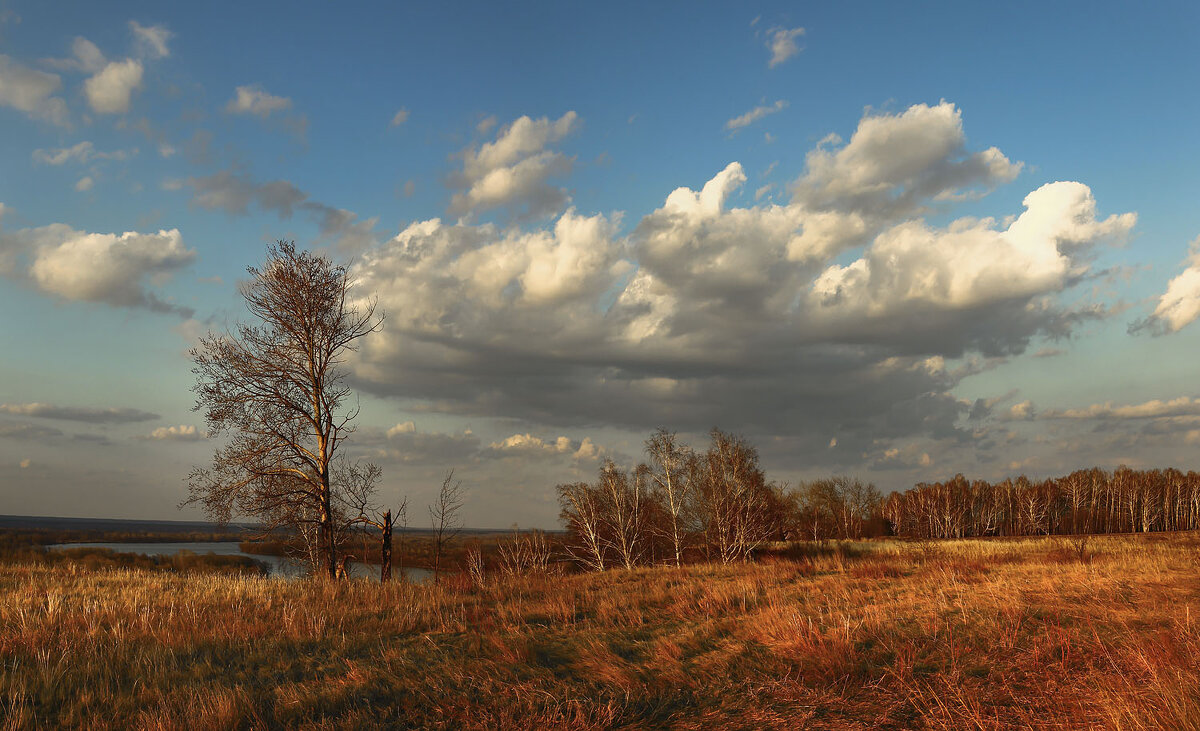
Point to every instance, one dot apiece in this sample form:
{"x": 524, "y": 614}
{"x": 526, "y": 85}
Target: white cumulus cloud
{"x": 971, "y": 263}
{"x": 94, "y": 267}
{"x": 109, "y": 91}
{"x": 528, "y": 445}
{"x": 894, "y": 163}
{"x": 181, "y": 433}
{"x": 512, "y": 170}
{"x": 1179, "y": 306}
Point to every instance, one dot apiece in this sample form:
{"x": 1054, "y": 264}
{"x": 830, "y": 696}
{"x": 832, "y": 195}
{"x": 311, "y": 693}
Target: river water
{"x": 278, "y": 566}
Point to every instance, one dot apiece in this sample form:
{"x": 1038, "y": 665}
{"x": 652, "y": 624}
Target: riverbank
{"x": 208, "y": 557}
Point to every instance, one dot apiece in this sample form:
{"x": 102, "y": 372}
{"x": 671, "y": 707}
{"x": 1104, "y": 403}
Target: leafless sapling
{"x": 443, "y": 514}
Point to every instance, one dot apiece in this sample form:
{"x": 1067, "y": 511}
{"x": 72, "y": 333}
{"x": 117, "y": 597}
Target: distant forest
{"x": 683, "y": 505}
{"x": 1085, "y": 501}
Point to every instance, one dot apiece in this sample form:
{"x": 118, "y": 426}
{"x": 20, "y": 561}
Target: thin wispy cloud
{"x": 755, "y": 114}
{"x": 88, "y": 415}
{"x": 256, "y": 101}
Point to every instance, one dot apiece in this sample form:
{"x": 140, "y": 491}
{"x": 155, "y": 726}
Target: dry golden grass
{"x": 970, "y": 634}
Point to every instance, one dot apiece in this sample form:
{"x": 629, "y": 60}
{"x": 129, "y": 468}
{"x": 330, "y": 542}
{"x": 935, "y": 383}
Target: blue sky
{"x": 837, "y": 299}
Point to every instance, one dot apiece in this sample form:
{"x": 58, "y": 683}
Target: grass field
{"x": 1033, "y": 633}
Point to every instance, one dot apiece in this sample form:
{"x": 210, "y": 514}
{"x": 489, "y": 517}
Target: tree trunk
{"x": 328, "y": 542}
{"x": 385, "y": 549}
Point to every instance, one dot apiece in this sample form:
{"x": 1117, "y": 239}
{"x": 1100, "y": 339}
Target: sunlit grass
{"x": 955, "y": 634}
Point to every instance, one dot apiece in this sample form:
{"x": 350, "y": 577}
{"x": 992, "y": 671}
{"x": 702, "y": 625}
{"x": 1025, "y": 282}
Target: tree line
{"x": 682, "y": 505}
{"x": 1083, "y": 502}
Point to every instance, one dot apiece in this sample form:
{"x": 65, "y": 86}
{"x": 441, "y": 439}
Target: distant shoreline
{"x": 26, "y": 522}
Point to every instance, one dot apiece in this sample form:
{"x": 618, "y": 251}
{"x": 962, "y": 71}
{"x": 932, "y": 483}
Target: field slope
{"x": 884, "y": 634}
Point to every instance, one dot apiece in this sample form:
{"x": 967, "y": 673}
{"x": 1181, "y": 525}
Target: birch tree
{"x": 276, "y": 390}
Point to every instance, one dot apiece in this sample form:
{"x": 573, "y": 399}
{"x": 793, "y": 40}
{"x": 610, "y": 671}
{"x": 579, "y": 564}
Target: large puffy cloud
{"x": 915, "y": 277}
{"x": 1179, "y": 306}
{"x": 31, "y": 91}
{"x": 512, "y": 170}
{"x": 895, "y": 163}
{"x": 109, "y": 91}
{"x": 94, "y": 267}
{"x": 712, "y": 313}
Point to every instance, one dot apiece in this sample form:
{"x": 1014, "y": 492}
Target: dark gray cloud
{"x": 22, "y": 430}
{"x": 98, "y": 439}
{"x": 235, "y": 192}
{"x": 32, "y": 92}
{"x": 121, "y": 415}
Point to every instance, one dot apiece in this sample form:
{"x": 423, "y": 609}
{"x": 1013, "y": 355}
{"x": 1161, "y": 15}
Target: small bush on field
{"x": 876, "y": 570}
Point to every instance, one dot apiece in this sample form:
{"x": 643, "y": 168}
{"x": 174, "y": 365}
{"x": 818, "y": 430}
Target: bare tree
{"x": 524, "y": 553}
{"x": 1075, "y": 489}
{"x": 443, "y": 514}
{"x": 671, "y": 468}
{"x": 624, "y": 512}
{"x": 733, "y": 498}
{"x": 277, "y": 389}
{"x": 356, "y": 497}
{"x": 475, "y": 566}
{"x": 583, "y": 513}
